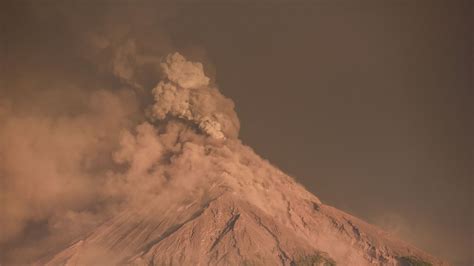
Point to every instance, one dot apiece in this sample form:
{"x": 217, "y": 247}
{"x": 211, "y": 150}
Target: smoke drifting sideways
{"x": 63, "y": 174}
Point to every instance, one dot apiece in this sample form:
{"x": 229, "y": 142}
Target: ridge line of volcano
{"x": 228, "y": 227}
{"x": 172, "y": 229}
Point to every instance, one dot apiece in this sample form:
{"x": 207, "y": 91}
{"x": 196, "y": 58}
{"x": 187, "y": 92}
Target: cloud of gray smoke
{"x": 64, "y": 173}
{"x": 185, "y": 93}
{"x": 80, "y": 140}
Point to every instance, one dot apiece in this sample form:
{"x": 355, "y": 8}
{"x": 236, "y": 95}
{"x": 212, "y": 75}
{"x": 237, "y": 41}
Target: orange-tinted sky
{"x": 369, "y": 105}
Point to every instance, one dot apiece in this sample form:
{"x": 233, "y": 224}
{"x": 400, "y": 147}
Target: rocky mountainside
{"x": 192, "y": 194}
{"x": 239, "y": 218}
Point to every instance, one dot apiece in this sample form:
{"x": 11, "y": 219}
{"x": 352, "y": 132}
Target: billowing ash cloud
{"x": 186, "y": 93}
{"x": 63, "y": 173}
{"x": 106, "y": 124}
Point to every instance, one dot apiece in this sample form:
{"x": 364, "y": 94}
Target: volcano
{"x": 202, "y": 197}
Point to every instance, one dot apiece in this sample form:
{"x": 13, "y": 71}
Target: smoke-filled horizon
{"x": 367, "y": 106}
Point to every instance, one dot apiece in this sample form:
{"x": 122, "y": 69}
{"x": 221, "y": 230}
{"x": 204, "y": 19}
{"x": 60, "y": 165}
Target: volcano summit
{"x": 188, "y": 192}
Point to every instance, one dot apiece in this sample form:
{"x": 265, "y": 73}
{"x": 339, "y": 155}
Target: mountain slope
{"x": 239, "y": 218}
{"x": 188, "y": 192}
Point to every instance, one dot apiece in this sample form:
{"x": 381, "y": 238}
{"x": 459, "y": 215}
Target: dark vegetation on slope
{"x": 317, "y": 259}
{"x": 413, "y": 261}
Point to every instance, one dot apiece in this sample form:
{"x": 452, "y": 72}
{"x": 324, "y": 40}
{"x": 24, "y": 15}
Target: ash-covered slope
{"x": 194, "y": 195}
{"x": 243, "y": 217}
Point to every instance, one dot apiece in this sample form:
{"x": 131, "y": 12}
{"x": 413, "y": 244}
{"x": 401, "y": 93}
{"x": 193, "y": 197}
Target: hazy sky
{"x": 369, "y": 105}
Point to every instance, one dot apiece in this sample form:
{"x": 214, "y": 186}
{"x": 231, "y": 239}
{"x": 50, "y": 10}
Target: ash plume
{"x": 64, "y": 174}
{"x": 185, "y": 93}
{"x": 84, "y": 139}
